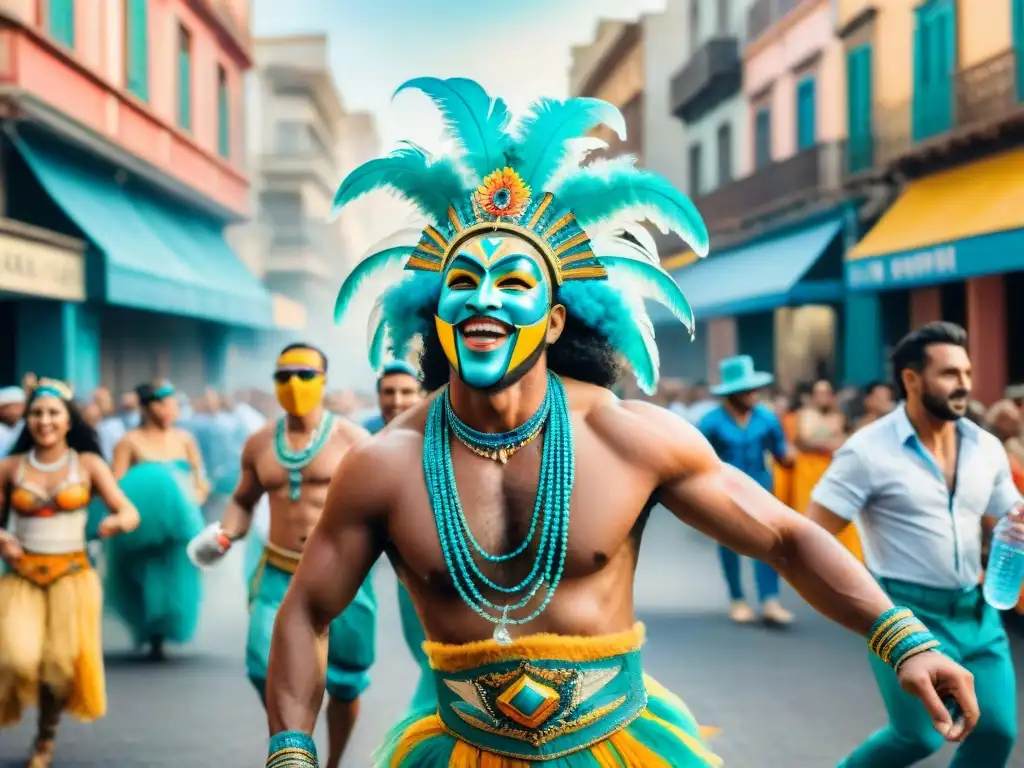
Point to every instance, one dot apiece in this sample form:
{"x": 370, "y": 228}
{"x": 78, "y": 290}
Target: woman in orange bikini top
{"x": 46, "y": 485}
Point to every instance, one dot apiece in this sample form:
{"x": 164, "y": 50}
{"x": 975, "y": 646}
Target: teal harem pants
{"x": 351, "y": 642}
{"x": 972, "y": 634}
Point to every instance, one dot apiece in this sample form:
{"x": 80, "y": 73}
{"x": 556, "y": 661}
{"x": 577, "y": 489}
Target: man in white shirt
{"x": 918, "y": 482}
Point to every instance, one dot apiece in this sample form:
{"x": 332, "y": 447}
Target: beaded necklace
{"x": 296, "y": 461}
{"x": 550, "y": 512}
{"x": 502, "y": 445}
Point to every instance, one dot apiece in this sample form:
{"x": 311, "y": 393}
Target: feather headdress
{"x": 527, "y": 181}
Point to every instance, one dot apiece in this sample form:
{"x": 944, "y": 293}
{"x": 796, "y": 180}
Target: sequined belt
{"x": 43, "y": 570}
{"x": 543, "y": 696}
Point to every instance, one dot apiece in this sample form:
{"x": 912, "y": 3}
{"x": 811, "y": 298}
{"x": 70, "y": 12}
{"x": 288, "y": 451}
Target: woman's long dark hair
{"x": 81, "y": 437}
{"x": 580, "y": 353}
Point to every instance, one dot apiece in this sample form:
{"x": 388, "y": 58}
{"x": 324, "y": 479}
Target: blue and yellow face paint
{"x": 492, "y": 316}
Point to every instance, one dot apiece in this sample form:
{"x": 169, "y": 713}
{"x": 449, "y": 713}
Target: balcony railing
{"x": 711, "y": 75}
{"x": 973, "y": 99}
{"x": 764, "y": 13}
{"x": 811, "y": 174}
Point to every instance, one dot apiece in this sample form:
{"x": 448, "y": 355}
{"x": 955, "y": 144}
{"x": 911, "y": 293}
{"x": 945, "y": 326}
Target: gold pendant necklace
{"x": 504, "y": 453}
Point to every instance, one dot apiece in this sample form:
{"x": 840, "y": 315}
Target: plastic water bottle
{"x": 1004, "y": 576}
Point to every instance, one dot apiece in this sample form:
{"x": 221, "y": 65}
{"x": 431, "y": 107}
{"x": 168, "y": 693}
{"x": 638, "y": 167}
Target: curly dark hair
{"x": 81, "y": 437}
{"x": 580, "y": 353}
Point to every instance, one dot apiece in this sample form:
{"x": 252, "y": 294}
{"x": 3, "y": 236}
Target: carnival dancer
{"x": 743, "y": 432}
{"x": 512, "y": 502}
{"x": 51, "y": 652}
{"x": 150, "y": 581}
{"x": 291, "y": 461}
{"x": 398, "y": 390}
{"x": 919, "y": 481}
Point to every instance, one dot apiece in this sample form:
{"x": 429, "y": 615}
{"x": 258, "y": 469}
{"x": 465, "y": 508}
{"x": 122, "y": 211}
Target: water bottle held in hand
{"x": 1004, "y": 576}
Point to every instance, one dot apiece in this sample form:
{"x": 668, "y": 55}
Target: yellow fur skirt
{"x": 51, "y": 610}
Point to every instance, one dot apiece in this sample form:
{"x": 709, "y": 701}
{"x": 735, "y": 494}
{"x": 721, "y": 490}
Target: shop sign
{"x": 926, "y": 266}
{"x": 40, "y": 269}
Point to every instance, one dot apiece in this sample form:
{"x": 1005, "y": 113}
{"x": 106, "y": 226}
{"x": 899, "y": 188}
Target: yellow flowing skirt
{"x": 51, "y": 634}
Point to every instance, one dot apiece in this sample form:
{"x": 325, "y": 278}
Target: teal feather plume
{"x": 649, "y": 281}
{"x": 375, "y": 349}
{"x": 473, "y": 119}
{"x": 608, "y": 191}
{"x": 389, "y": 254}
{"x": 544, "y": 134}
{"x": 430, "y": 185}
{"x": 620, "y": 319}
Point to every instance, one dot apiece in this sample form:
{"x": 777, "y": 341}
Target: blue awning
{"x": 763, "y": 275}
{"x": 159, "y": 256}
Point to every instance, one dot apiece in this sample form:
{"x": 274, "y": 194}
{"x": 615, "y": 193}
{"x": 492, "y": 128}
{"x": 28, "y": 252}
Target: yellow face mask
{"x": 299, "y": 381}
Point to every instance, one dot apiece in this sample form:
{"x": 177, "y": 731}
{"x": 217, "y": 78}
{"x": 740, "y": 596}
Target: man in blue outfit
{"x": 743, "y": 432}
{"x": 398, "y": 390}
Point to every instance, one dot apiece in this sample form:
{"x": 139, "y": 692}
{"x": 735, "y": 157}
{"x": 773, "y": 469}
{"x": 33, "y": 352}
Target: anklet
{"x": 897, "y": 635}
{"x": 292, "y": 749}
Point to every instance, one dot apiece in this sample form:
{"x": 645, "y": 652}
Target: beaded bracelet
{"x": 292, "y": 749}
{"x": 897, "y": 635}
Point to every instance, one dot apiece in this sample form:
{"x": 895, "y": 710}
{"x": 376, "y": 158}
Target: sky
{"x": 519, "y": 50}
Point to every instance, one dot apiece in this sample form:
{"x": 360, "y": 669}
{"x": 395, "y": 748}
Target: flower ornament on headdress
{"x": 527, "y": 182}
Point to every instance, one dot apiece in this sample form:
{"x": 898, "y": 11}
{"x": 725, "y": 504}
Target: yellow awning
{"x": 975, "y": 199}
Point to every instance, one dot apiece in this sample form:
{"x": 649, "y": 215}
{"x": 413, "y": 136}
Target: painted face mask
{"x": 299, "y": 381}
{"x": 492, "y": 317}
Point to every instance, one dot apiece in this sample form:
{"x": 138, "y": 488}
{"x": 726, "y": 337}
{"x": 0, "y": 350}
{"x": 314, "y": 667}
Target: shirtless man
{"x": 535, "y": 650}
{"x": 291, "y": 460}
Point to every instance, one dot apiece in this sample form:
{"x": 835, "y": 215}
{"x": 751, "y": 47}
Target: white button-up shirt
{"x": 912, "y": 528}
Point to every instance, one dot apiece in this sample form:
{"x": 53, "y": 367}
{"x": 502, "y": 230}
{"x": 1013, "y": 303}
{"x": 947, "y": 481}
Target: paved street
{"x": 794, "y": 699}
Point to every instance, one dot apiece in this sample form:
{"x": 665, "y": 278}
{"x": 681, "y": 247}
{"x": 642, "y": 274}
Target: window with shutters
{"x": 61, "y": 21}
{"x": 806, "y": 122}
{"x": 860, "y": 140}
{"x": 136, "y": 48}
{"x": 763, "y": 138}
{"x": 184, "y": 78}
{"x": 724, "y": 140}
{"x": 223, "y": 113}
{"x": 696, "y": 170}
{"x": 934, "y": 67}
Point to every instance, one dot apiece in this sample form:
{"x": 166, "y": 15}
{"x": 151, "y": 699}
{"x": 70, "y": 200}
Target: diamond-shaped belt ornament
{"x": 528, "y": 702}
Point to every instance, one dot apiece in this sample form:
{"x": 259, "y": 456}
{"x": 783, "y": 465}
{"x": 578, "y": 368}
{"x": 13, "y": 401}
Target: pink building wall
{"x": 88, "y": 83}
{"x": 801, "y": 43}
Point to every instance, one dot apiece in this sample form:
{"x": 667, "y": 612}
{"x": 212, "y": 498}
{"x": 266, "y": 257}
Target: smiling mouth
{"x": 484, "y": 334}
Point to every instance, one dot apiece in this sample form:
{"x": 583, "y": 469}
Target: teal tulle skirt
{"x": 149, "y": 581}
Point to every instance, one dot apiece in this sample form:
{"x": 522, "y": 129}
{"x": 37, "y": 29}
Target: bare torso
{"x": 292, "y": 521}
{"x": 821, "y": 428}
{"x": 610, "y": 499}
{"x": 158, "y": 445}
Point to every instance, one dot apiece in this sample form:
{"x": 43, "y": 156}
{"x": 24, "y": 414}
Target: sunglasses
{"x": 306, "y": 374}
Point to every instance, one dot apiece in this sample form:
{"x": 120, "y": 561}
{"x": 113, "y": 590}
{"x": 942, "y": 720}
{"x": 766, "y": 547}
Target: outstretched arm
{"x": 238, "y": 515}
{"x": 336, "y": 560}
{"x": 728, "y": 506}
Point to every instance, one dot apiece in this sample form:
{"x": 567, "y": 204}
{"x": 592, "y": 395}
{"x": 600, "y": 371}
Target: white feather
{"x": 578, "y": 150}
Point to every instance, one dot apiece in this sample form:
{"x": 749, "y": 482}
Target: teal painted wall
{"x": 59, "y": 340}
{"x": 215, "y": 353}
{"x": 862, "y": 341}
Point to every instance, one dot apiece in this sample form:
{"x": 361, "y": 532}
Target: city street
{"x": 782, "y": 699}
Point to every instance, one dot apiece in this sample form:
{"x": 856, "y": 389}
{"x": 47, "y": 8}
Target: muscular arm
{"x": 730, "y": 507}
{"x": 336, "y": 560}
{"x": 238, "y": 515}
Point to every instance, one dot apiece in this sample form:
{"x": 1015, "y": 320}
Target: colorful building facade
{"x": 772, "y": 286}
{"x": 934, "y": 100}
{"x": 122, "y": 162}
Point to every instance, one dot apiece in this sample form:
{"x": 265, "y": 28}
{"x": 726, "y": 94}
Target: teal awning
{"x": 158, "y": 255}
{"x": 763, "y": 275}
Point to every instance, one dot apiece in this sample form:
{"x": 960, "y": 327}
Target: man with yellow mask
{"x": 292, "y": 460}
